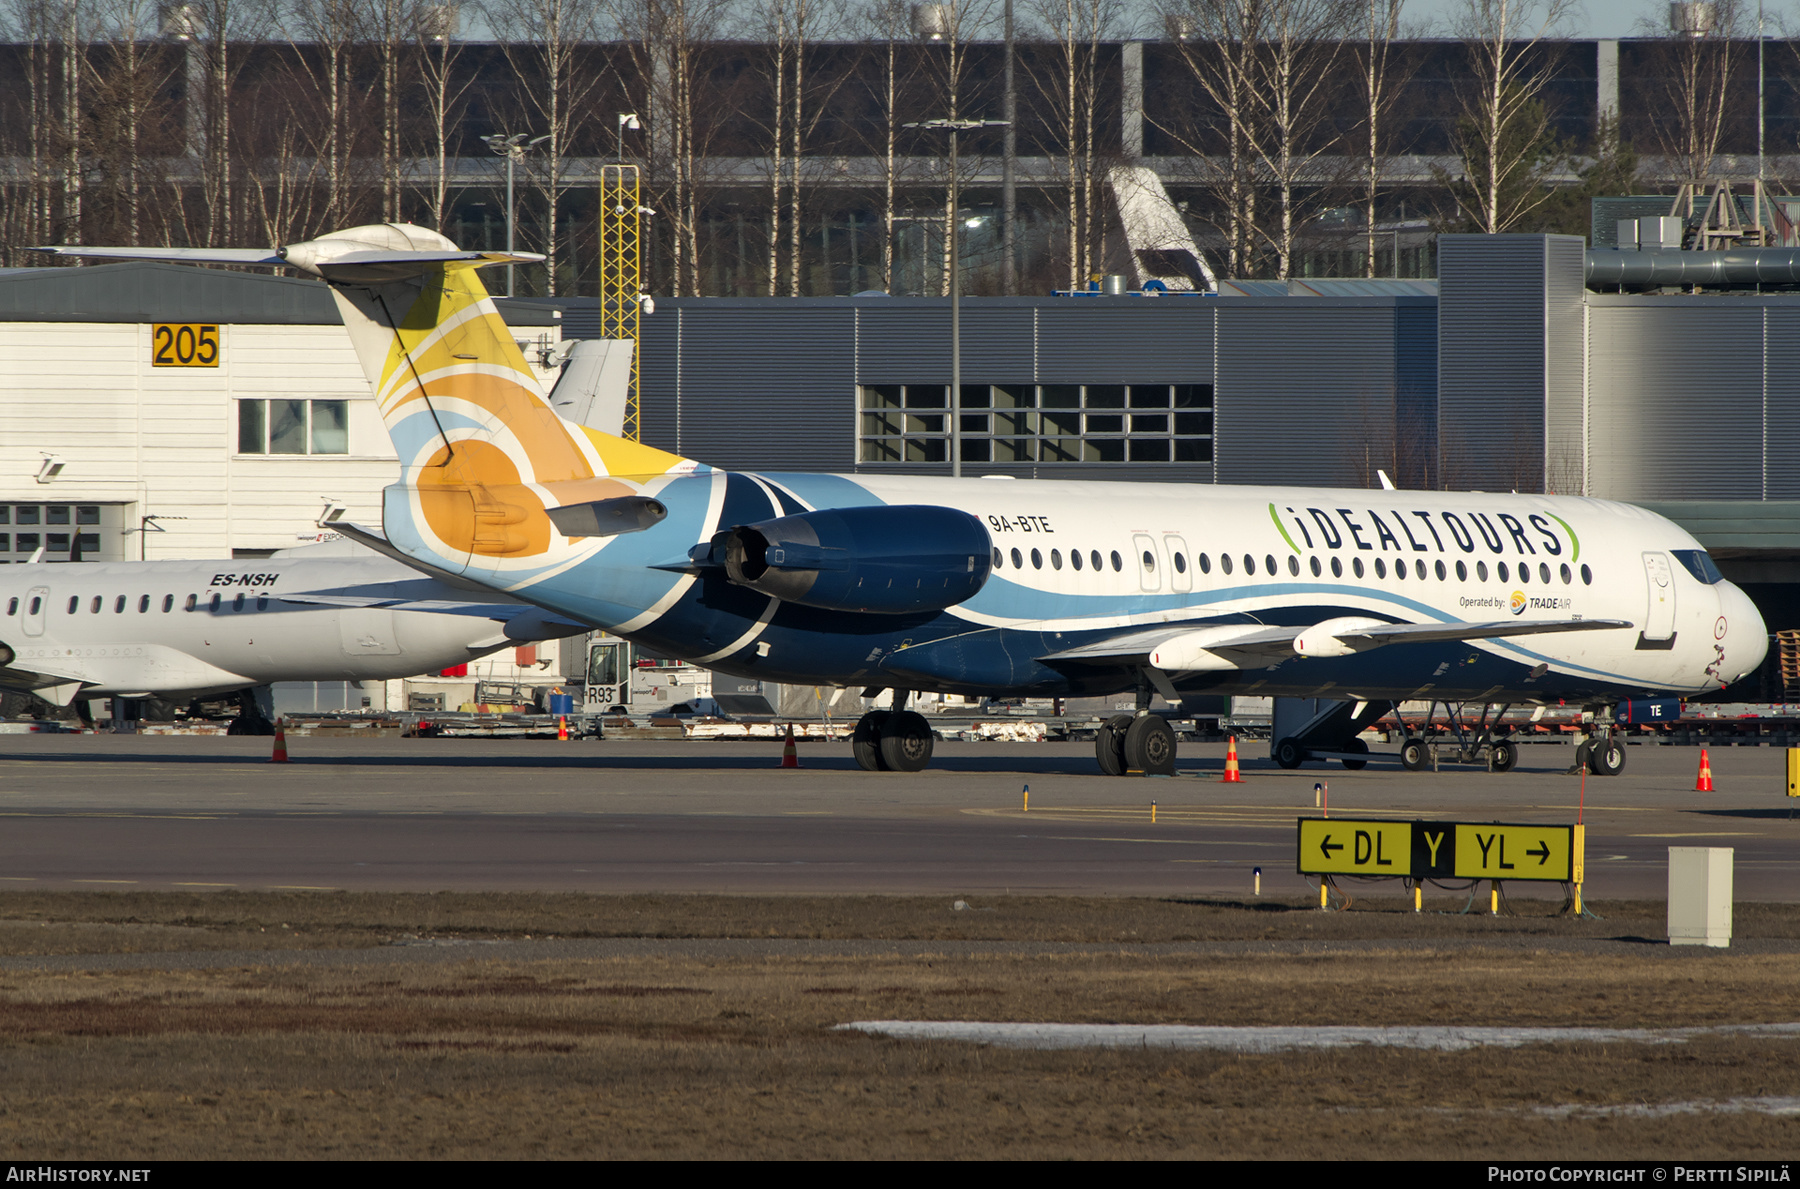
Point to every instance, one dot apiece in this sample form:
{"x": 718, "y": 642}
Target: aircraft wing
{"x": 523, "y": 622}
{"x": 1190, "y": 647}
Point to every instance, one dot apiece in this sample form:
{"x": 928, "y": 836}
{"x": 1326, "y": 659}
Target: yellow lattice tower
{"x": 620, "y": 271}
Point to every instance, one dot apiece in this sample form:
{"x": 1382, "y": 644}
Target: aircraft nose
{"x": 1746, "y": 637}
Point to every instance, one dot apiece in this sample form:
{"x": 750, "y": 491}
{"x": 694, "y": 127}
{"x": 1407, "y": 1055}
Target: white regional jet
{"x": 180, "y": 630}
{"x": 1023, "y": 588}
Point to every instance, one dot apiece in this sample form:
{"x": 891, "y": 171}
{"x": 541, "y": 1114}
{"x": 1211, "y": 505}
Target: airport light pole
{"x": 954, "y": 127}
{"x": 513, "y": 148}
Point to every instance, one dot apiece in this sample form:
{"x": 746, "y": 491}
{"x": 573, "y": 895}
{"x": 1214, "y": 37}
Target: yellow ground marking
{"x": 180, "y": 884}
{"x": 1132, "y": 814}
{"x": 103, "y": 881}
{"x": 19, "y": 878}
{"x": 1702, "y": 834}
{"x": 300, "y": 887}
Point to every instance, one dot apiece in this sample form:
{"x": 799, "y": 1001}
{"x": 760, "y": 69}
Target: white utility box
{"x": 1700, "y": 895}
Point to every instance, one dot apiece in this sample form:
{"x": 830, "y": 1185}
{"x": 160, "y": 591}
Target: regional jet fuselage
{"x": 192, "y": 629}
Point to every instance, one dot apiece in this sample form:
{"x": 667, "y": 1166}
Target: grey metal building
{"x": 1197, "y": 389}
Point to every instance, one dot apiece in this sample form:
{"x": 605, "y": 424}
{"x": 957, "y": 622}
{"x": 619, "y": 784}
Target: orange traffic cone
{"x": 1231, "y": 765}
{"x": 562, "y": 728}
{"x": 1704, "y": 784}
{"x": 788, "y": 758}
{"x": 280, "y": 755}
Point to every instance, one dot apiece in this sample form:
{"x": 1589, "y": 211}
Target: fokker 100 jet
{"x": 1035, "y": 588}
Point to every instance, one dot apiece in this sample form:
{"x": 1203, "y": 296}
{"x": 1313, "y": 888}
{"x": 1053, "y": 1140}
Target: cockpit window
{"x": 1699, "y": 564}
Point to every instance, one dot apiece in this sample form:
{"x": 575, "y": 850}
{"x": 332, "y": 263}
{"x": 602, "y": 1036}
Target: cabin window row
{"x": 1203, "y": 562}
{"x": 98, "y": 603}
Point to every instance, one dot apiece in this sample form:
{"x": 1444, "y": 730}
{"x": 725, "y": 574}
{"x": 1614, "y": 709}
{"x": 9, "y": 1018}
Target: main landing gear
{"x": 1141, "y": 743}
{"x": 900, "y": 740}
{"x": 897, "y": 740}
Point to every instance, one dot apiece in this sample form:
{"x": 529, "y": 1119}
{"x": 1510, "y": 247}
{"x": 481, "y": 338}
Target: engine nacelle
{"x": 887, "y": 560}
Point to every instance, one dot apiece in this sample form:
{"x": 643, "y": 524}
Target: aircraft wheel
{"x": 1109, "y": 744}
{"x": 1505, "y": 755}
{"x": 1360, "y": 748}
{"x": 1289, "y": 753}
{"x": 1607, "y": 757}
{"x": 1415, "y": 756}
{"x": 1150, "y": 746}
{"x": 865, "y": 744}
{"x": 906, "y": 742}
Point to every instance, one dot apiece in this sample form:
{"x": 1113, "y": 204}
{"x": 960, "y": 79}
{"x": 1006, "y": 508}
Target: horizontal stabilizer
{"x": 245, "y": 256}
{"x": 362, "y": 255}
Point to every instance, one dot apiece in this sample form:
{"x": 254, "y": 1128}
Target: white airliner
{"x": 1038, "y": 588}
{"x": 180, "y": 630}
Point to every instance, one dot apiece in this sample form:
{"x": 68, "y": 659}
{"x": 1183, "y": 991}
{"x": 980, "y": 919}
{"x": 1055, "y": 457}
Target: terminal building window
{"x": 293, "y": 427}
{"x": 96, "y": 529}
{"x": 1039, "y": 423}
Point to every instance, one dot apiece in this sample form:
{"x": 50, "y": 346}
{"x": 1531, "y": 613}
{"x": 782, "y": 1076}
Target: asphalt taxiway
{"x": 193, "y": 813}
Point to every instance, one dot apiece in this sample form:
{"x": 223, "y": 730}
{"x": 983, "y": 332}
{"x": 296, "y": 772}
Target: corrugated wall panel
{"x": 1415, "y": 393}
{"x": 1126, "y": 340}
{"x": 1781, "y": 445}
{"x": 1491, "y": 355}
{"x": 899, "y": 344}
{"x": 902, "y": 341}
{"x": 659, "y": 340}
{"x": 1675, "y": 400}
{"x": 1565, "y": 365}
{"x": 1306, "y": 391}
{"x": 769, "y": 389}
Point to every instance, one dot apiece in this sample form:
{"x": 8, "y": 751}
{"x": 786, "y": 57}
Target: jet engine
{"x": 888, "y": 560}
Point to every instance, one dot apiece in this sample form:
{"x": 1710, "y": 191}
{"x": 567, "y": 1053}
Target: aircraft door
{"x": 1149, "y": 567}
{"x": 1181, "y": 566}
{"x": 1659, "y": 618}
{"x": 36, "y": 599}
{"x": 608, "y": 676}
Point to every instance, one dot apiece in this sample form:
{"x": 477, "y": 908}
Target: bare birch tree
{"x": 128, "y": 75}
{"x": 1221, "y": 43}
{"x": 390, "y": 25}
{"x": 953, "y": 24}
{"x": 1693, "y": 63}
{"x": 30, "y": 212}
{"x": 548, "y": 49}
{"x": 889, "y": 23}
{"x": 668, "y": 40}
{"x": 1302, "y": 44}
{"x": 1077, "y": 28}
{"x": 322, "y": 38}
{"x": 218, "y": 26}
{"x": 1384, "y": 67}
{"x": 438, "y": 53}
{"x": 1505, "y": 129}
